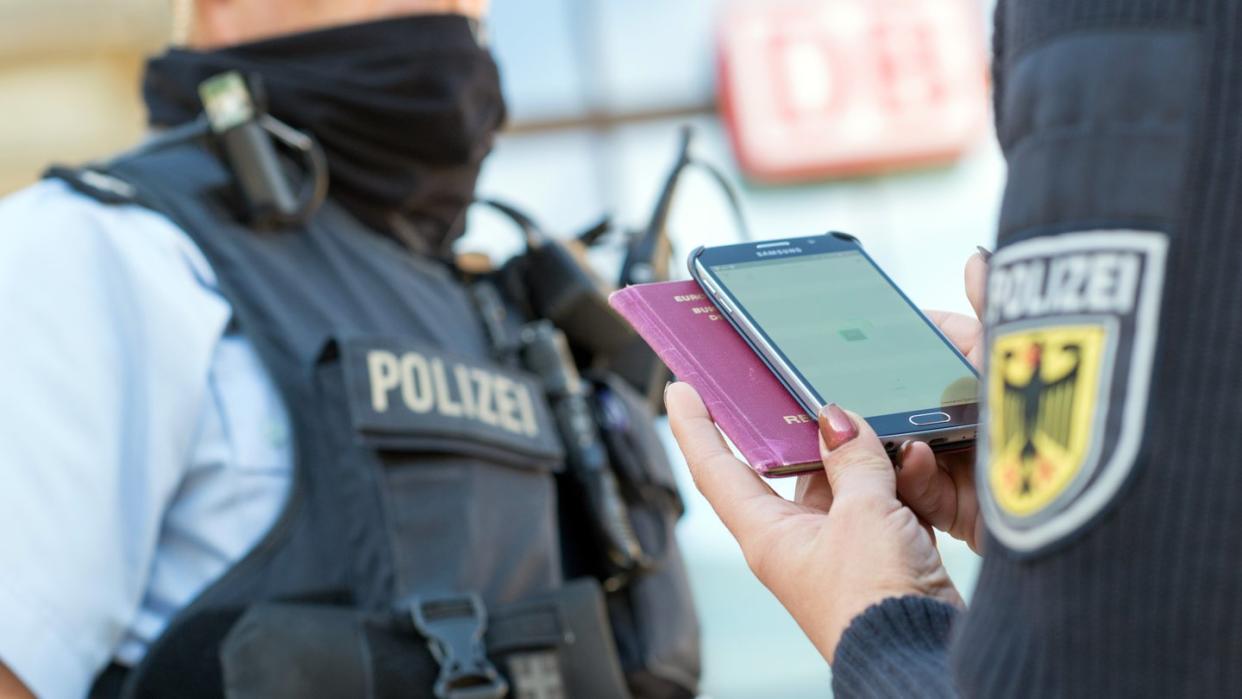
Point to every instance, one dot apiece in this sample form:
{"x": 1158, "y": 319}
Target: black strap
{"x": 109, "y": 682}
{"x": 526, "y": 626}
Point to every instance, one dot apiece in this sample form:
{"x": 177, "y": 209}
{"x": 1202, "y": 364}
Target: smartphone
{"x": 834, "y": 328}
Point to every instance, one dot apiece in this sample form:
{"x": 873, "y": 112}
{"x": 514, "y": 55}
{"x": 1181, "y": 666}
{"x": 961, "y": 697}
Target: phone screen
{"x": 850, "y": 333}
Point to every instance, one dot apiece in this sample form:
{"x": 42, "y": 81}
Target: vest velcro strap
{"x": 525, "y": 627}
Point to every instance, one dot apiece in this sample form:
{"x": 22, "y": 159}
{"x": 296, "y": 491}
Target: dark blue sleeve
{"x": 897, "y": 648}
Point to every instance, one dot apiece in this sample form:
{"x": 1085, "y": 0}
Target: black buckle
{"x": 453, "y": 626}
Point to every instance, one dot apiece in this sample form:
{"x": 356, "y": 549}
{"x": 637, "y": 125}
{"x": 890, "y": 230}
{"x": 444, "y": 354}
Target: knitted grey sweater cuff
{"x": 897, "y": 648}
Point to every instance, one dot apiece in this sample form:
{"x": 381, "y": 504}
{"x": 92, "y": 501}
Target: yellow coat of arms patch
{"x": 1071, "y": 324}
{"x": 1045, "y": 386}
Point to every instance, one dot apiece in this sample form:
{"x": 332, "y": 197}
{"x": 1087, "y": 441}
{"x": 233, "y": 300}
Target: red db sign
{"x": 813, "y": 88}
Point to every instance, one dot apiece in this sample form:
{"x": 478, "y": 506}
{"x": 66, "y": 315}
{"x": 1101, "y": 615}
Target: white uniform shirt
{"x": 143, "y": 448}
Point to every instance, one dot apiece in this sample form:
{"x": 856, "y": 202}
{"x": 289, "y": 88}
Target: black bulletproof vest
{"x": 422, "y": 467}
{"x": 314, "y": 301}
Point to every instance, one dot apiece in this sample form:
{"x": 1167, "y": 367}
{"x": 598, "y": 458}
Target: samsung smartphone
{"x": 835, "y": 329}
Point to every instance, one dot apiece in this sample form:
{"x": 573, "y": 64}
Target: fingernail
{"x": 836, "y": 427}
{"x": 903, "y": 452}
{"x": 984, "y": 253}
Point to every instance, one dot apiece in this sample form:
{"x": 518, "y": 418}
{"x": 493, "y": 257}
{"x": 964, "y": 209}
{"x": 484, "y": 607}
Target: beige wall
{"x": 69, "y": 79}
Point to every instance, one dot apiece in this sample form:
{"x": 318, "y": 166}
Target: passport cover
{"x": 748, "y": 403}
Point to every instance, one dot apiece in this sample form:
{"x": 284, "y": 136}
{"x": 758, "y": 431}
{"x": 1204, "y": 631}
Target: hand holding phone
{"x": 846, "y": 544}
{"x": 861, "y": 552}
{"x": 940, "y": 488}
{"x": 835, "y": 329}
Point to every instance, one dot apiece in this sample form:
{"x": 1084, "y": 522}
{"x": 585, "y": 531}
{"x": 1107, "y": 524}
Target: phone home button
{"x": 924, "y": 419}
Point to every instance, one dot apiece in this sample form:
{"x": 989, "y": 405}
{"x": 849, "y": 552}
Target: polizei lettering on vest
{"x": 451, "y": 389}
{"x": 1089, "y": 282}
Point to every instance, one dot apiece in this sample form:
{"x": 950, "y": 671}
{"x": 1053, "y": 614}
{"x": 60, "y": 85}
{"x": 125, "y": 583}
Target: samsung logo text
{"x": 778, "y": 251}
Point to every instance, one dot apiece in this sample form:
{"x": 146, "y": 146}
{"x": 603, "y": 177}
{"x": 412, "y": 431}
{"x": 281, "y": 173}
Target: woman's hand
{"x": 941, "y": 489}
{"x": 845, "y": 544}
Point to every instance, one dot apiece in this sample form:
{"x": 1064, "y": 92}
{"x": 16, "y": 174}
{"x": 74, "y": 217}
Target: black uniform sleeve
{"x": 897, "y": 648}
{"x": 1119, "y": 122}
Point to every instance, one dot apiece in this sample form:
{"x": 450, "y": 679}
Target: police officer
{"x": 261, "y": 441}
{"x": 1105, "y": 494}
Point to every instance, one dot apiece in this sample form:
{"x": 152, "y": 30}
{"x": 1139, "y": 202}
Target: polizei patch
{"x": 409, "y": 396}
{"x": 1071, "y": 333}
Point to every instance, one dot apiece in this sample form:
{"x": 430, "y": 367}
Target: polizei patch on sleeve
{"x": 1072, "y": 325}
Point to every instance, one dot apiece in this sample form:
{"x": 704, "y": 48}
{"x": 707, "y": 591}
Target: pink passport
{"x": 746, "y": 400}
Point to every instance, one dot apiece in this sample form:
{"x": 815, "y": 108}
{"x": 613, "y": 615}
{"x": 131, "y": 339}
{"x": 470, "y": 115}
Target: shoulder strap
{"x": 95, "y": 179}
{"x": 95, "y": 184}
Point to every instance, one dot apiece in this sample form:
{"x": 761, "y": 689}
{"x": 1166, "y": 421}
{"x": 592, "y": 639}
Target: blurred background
{"x": 866, "y": 116}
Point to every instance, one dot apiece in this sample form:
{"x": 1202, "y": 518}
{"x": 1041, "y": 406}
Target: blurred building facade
{"x": 68, "y": 88}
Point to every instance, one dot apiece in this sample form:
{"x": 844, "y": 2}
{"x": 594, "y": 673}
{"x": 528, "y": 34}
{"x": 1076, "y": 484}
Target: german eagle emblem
{"x": 1043, "y": 393}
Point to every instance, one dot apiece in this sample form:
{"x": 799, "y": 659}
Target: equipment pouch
{"x": 463, "y": 452}
{"x": 652, "y": 614}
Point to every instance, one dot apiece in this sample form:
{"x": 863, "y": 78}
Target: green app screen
{"x": 850, "y": 333}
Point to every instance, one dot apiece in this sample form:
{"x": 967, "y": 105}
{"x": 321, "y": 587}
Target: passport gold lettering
{"x": 701, "y": 310}
{"x": 689, "y": 297}
{"x": 451, "y": 389}
{"x": 797, "y": 419}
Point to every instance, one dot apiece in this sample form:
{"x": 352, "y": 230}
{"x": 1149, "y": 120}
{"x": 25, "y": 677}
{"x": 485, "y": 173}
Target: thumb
{"x": 853, "y": 457}
{"x": 976, "y": 274}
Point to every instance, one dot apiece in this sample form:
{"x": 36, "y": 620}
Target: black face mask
{"x": 405, "y": 109}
